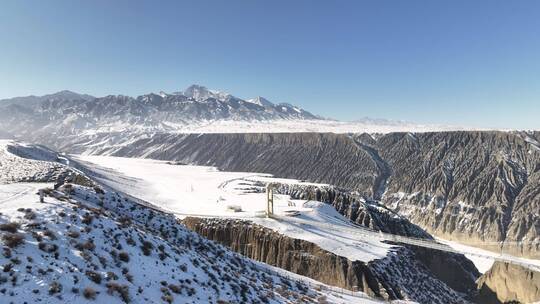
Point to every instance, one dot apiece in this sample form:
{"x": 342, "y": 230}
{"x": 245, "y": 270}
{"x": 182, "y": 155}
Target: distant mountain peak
{"x": 202, "y": 93}
{"x": 64, "y": 92}
{"x": 261, "y": 101}
{"x": 61, "y": 95}
{"x": 67, "y": 95}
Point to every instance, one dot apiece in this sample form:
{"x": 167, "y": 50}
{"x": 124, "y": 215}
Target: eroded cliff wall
{"x": 401, "y": 275}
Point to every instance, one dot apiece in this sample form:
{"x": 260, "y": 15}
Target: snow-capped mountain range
{"x": 71, "y": 112}
{"x": 196, "y": 109}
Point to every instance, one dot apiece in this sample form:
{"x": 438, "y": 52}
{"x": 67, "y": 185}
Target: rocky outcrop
{"x": 365, "y": 213}
{"x": 295, "y": 255}
{"x": 401, "y": 275}
{"x": 377, "y": 217}
{"x": 454, "y": 270}
{"x": 508, "y": 283}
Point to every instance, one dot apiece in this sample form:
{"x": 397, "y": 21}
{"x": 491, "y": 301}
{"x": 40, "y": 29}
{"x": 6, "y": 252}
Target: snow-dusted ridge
{"x": 307, "y": 125}
{"x": 25, "y": 162}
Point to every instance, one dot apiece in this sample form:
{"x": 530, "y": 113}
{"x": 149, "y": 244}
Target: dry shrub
{"x": 147, "y": 248}
{"x": 55, "y": 287}
{"x": 73, "y": 234}
{"x": 10, "y": 227}
{"x": 47, "y": 247}
{"x": 13, "y": 240}
{"x": 175, "y": 288}
{"x": 48, "y": 233}
{"x": 122, "y": 290}
{"x": 167, "y": 298}
{"x": 111, "y": 276}
{"x": 87, "y": 219}
{"x": 93, "y": 276}
{"x": 98, "y": 190}
{"x": 123, "y": 256}
{"x": 89, "y": 293}
{"x": 87, "y": 245}
{"x": 124, "y": 221}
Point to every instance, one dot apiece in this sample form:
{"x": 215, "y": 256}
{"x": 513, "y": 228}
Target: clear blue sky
{"x": 474, "y": 63}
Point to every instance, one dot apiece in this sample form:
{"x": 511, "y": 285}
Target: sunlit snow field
{"x": 185, "y": 189}
{"x": 205, "y": 191}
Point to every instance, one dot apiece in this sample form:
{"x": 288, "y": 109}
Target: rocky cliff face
{"x": 505, "y": 283}
{"x": 403, "y": 274}
{"x": 380, "y": 218}
{"x": 469, "y": 186}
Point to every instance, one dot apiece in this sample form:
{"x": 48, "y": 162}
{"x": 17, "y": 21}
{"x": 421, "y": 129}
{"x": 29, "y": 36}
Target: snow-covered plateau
{"x": 205, "y": 191}
{"x": 306, "y": 125}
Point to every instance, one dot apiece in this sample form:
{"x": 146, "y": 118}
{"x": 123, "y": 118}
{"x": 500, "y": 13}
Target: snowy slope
{"x": 14, "y": 168}
{"x": 141, "y": 260}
